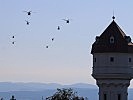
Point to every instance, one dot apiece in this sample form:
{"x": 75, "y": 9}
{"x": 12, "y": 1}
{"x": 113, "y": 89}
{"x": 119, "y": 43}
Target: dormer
{"x": 112, "y": 40}
{"x": 128, "y": 39}
{"x": 97, "y": 39}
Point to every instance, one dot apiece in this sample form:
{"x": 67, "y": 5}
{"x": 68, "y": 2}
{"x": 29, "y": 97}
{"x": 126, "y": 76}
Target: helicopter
{"x": 27, "y": 22}
{"x": 28, "y": 12}
{"x": 67, "y": 20}
{"x": 58, "y": 28}
{"x": 52, "y": 39}
{"x": 13, "y": 42}
{"x": 47, "y": 46}
{"x": 13, "y": 36}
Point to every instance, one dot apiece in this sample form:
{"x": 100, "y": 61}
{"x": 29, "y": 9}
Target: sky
{"x": 68, "y": 59}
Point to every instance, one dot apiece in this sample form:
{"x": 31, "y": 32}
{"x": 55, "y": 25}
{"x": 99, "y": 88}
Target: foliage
{"x": 65, "y": 94}
{"x": 13, "y": 98}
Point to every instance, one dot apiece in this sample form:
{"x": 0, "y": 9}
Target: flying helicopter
{"x": 28, "y": 12}
{"x": 66, "y": 20}
{"x": 47, "y": 46}
{"x": 27, "y": 22}
{"x": 58, "y": 28}
{"x": 13, "y": 36}
{"x": 13, "y": 42}
{"x": 52, "y": 39}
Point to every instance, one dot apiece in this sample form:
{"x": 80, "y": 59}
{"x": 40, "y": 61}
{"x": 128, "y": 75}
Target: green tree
{"x": 65, "y": 94}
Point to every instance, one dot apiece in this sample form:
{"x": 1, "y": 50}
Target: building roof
{"x": 112, "y": 40}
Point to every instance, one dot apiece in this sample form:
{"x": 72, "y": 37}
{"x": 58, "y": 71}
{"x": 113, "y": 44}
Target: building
{"x": 113, "y": 63}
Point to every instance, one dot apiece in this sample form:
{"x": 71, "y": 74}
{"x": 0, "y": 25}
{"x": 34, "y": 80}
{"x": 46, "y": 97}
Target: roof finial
{"x": 113, "y": 16}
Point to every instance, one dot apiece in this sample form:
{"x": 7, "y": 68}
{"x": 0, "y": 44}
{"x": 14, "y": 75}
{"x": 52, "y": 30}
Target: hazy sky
{"x": 68, "y": 59}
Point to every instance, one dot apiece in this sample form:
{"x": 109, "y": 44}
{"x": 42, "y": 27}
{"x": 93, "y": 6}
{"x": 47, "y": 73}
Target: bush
{"x": 65, "y": 94}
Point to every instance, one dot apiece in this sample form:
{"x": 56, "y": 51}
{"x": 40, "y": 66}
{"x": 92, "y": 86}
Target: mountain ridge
{"x": 35, "y": 86}
{"x": 35, "y": 91}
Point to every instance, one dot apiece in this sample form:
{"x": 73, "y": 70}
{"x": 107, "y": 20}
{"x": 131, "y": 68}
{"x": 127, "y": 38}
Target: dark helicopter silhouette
{"x": 47, "y": 46}
{"x": 52, "y": 39}
{"x": 27, "y": 22}
{"x": 28, "y": 12}
{"x": 66, "y": 20}
{"x": 13, "y": 36}
{"x": 13, "y": 42}
{"x": 58, "y": 28}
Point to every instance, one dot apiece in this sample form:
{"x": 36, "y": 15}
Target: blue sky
{"x": 68, "y": 59}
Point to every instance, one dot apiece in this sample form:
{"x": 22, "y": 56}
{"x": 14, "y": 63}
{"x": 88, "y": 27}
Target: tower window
{"x": 95, "y": 59}
{"x": 129, "y": 59}
{"x": 111, "y": 59}
{"x": 119, "y": 96}
{"x": 112, "y": 40}
{"x": 105, "y": 97}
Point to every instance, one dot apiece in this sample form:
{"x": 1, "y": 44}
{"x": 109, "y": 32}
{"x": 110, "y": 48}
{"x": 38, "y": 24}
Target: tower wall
{"x": 113, "y": 89}
{"x": 113, "y": 63}
{"x": 113, "y": 72}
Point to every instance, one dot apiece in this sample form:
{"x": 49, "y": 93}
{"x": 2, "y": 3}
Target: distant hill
{"x": 9, "y": 86}
{"x": 35, "y": 91}
{"x": 81, "y": 85}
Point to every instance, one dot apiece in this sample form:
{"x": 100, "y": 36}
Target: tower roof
{"x": 112, "y": 40}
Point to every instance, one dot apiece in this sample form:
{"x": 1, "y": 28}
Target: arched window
{"x": 112, "y": 40}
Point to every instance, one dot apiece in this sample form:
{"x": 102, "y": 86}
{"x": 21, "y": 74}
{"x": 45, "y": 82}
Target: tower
{"x": 112, "y": 63}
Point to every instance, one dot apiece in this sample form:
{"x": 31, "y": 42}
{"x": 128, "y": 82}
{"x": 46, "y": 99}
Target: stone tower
{"x": 113, "y": 63}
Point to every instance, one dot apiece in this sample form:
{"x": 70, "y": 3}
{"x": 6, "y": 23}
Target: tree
{"x": 1, "y": 99}
{"x": 65, "y": 94}
{"x": 13, "y": 98}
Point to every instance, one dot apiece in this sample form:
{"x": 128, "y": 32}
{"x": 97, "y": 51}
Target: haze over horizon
{"x": 68, "y": 59}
